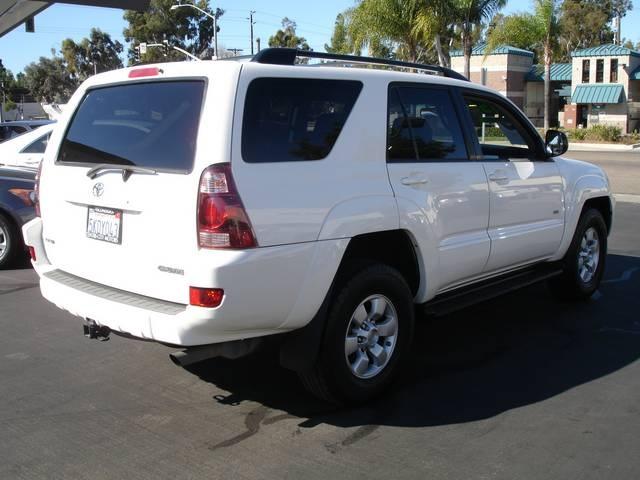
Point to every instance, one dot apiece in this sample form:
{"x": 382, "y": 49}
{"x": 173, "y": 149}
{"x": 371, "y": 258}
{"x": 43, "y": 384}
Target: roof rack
{"x": 287, "y": 56}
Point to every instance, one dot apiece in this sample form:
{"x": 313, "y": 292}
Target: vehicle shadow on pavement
{"x": 509, "y": 352}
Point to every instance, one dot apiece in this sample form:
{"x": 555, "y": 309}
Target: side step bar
{"x": 466, "y": 296}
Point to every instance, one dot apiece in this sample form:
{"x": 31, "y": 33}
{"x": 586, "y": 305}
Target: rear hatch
{"x": 119, "y": 203}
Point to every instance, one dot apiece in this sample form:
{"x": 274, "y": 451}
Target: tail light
{"x": 36, "y": 191}
{"x": 222, "y": 219}
{"x": 32, "y": 253}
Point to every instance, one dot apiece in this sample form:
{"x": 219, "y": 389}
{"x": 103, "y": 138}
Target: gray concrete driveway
{"x": 518, "y": 387}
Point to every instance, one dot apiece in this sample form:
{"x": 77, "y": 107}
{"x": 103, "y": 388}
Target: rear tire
{"x": 584, "y": 261}
{"x": 367, "y": 336}
{"x": 10, "y": 243}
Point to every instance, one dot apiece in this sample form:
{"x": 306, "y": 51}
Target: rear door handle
{"x": 413, "y": 180}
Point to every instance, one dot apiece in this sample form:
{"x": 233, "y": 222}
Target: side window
{"x": 423, "y": 125}
{"x": 500, "y": 134}
{"x": 15, "y": 131}
{"x": 39, "y": 146}
{"x": 295, "y": 119}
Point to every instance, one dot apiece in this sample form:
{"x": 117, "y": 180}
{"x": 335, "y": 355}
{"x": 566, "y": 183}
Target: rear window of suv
{"x": 152, "y": 125}
{"x": 294, "y": 119}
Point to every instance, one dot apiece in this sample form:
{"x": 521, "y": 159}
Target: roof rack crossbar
{"x": 287, "y": 56}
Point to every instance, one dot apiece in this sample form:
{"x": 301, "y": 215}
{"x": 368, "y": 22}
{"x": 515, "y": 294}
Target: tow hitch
{"x": 94, "y": 331}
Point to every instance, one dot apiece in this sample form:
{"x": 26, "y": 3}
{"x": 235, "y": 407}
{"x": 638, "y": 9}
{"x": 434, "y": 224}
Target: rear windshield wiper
{"x": 127, "y": 170}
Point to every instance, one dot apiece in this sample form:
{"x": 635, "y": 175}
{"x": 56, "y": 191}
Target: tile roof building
{"x": 601, "y": 85}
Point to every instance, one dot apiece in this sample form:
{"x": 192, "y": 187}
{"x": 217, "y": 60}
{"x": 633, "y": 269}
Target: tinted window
{"x": 426, "y": 118}
{"x": 11, "y": 131}
{"x": 151, "y": 125}
{"x": 293, "y": 119}
{"x": 39, "y": 146}
{"x": 500, "y": 134}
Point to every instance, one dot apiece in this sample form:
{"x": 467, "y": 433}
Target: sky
{"x": 314, "y": 19}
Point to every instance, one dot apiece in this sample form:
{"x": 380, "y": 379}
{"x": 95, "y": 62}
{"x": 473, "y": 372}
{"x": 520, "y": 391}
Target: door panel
{"x": 526, "y": 220}
{"x": 429, "y": 167}
{"x": 527, "y": 215}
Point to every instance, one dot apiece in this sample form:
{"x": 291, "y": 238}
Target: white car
{"x": 212, "y": 205}
{"x": 26, "y": 150}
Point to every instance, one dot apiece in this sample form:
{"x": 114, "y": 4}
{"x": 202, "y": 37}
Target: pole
{"x": 258, "y": 42}
{"x": 215, "y": 35}
{"x": 251, "y": 22}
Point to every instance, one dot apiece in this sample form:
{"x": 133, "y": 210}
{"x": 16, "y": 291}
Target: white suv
{"x": 209, "y": 205}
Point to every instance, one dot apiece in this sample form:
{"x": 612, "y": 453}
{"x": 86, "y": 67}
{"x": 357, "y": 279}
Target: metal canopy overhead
{"x": 594, "y": 93}
{"x": 14, "y": 12}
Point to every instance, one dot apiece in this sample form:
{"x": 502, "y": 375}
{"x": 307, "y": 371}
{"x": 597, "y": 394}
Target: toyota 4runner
{"x": 208, "y": 205}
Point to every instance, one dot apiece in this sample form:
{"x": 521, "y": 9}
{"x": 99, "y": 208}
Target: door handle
{"x": 498, "y": 176}
{"x": 413, "y": 180}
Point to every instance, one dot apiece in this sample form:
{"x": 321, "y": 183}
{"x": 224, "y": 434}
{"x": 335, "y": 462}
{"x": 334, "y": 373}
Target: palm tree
{"x": 382, "y": 25}
{"x": 540, "y": 31}
{"x": 471, "y": 13}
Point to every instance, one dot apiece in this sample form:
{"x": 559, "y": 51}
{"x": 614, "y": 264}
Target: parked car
{"x": 210, "y": 205}
{"x": 9, "y": 130}
{"x": 27, "y": 149}
{"x": 16, "y": 208}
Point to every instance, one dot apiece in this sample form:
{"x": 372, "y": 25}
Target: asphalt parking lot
{"x": 518, "y": 387}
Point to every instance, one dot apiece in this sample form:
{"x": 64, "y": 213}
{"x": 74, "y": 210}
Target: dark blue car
{"x": 16, "y": 208}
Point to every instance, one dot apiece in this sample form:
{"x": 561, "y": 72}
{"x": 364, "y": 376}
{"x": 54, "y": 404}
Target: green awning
{"x": 602, "y": 93}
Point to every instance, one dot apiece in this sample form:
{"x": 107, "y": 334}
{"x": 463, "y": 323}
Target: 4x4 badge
{"x": 98, "y": 189}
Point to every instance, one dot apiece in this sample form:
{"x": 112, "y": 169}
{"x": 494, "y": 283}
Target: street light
{"x": 213, "y": 17}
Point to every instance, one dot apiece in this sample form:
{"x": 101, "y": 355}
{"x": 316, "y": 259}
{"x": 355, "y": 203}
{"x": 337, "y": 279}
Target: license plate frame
{"x": 101, "y": 222}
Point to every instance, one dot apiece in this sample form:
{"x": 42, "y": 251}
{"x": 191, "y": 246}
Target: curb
{"x": 604, "y": 147}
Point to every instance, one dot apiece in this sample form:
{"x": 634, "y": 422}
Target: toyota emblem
{"x": 98, "y": 189}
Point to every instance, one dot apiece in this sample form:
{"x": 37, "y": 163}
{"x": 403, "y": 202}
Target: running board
{"x": 479, "y": 292}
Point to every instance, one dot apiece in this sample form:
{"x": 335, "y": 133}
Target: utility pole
{"x": 235, "y": 51}
{"x": 251, "y": 23}
{"x": 218, "y": 14}
{"x": 258, "y": 42}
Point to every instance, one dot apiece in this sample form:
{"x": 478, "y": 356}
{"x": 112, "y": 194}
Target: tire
{"x": 377, "y": 348}
{"x": 584, "y": 261}
{"x": 9, "y": 242}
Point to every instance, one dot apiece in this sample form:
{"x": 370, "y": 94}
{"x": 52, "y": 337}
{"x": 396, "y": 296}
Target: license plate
{"x": 104, "y": 224}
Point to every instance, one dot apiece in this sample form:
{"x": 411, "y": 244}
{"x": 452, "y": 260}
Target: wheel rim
{"x": 588, "y": 255}
{"x": 3, "y": 242}
{"x": 371, "y": 336}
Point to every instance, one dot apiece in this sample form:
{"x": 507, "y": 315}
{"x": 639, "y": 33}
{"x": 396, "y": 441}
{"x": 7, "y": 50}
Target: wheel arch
{"x": 395, "y": 248}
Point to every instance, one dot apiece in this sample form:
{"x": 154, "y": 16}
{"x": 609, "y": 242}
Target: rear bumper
{"x": 267, "y": 291}
{"x": 180, "y": 325}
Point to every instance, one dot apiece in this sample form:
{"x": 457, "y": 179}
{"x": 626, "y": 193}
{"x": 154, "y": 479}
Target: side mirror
{"x": 556, "y": 143}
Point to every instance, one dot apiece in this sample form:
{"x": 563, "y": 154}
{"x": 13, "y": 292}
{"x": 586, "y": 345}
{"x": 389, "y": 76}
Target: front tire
{"x": 584, "y": 261}
{"x": 9, "y": 242}
{"x": 368, "y": 335}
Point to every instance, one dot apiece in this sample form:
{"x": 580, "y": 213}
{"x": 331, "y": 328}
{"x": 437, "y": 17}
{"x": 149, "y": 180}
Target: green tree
{"x": 185, "y": 27}
{"x": 98, "y": 53}
{"x": 340, "y": 42}
{"x": 388, "y": 27}
{"x": 286, "y": 37}
{"x": 49, "y": 79}
{"x": 539, "y": 30}
{"x": 471, "y": 14}
{"x": 584, "y": 23}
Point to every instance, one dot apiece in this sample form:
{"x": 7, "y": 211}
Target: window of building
{"x": 295, "y": 119}
{"x": 422, "y": 125}
{"x": 613, "y": 77}
{"x": 599, "y": 70}
{"x": 586, "y": 66}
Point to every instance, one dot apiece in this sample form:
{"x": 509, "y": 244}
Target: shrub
{"x": 604, "y": 133}
{"x": 596, "y": 133}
